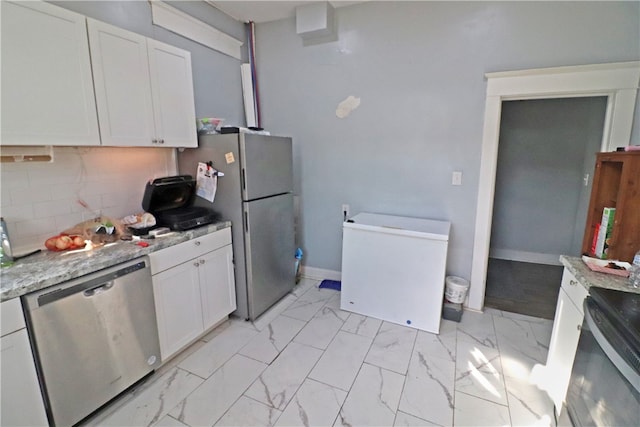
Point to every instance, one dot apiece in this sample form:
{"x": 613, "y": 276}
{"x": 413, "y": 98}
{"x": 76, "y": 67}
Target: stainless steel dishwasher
{"x": 93, "y": 337}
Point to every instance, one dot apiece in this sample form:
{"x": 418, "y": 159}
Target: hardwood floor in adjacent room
{"x": 522, "y": 287}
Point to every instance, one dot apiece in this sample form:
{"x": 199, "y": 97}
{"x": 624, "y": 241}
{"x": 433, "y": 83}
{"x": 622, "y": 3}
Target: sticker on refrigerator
{"x": 229, "y": 157}
{"x": 207, "y": 181}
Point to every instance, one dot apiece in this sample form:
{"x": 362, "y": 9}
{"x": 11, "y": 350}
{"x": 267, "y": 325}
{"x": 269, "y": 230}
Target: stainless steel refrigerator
{"x": 255, "y": 194}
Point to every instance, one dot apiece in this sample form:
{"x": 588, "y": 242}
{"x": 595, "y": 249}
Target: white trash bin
{"x": 456, "y": 289}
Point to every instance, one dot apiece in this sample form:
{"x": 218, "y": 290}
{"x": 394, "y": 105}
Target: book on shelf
{"x": 604, "y": 232}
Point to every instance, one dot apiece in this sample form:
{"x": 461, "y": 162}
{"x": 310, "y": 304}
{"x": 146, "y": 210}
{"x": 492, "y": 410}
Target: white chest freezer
{"x": 393, "y": 268}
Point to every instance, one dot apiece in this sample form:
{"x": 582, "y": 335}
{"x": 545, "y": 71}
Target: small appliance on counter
{"x": 170, "y": 200}
{"x": 6, "y": 254}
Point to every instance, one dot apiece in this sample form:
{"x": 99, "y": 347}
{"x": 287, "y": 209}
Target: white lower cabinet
{"x": 21, "y": 401}
{"x": 217, "y": 285}
{"x": 178, "y": 307}
{"x": 564, "y": 338}
{"x": 194, "y": 289}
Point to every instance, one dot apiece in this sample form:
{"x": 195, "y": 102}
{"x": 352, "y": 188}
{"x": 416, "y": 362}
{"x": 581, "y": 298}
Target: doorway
{"x": 543, "y": 184}
{"x": 617, "y": 81}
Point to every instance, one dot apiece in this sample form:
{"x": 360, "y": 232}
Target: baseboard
{"x": 523, "y": 256}
{"x": 320, "y": 273}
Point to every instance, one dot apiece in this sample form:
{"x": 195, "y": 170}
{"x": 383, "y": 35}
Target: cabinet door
{"x": 47, "y": 89}
{"x": 172, "y": 92}
{"x": 177, "y": 298}
{"x": 20, "y": 393}
{"x": 122, "y": 85}
{"x": 217, "y": 285}
{"x": 562, "y": 348}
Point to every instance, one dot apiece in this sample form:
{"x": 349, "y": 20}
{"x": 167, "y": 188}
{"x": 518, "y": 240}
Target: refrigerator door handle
{"x": 244, "y": 180}
{"x": 246, "y": 221}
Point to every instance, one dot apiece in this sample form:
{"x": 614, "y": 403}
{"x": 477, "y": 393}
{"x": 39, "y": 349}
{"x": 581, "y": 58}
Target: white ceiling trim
{"x": 187, "y": 26}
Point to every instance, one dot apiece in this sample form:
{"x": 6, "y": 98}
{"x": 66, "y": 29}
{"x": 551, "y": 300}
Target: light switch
{"x": 456, "y": 178}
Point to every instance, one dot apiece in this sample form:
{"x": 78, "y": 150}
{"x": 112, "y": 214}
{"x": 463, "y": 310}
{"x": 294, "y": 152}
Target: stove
{"x": 623, "y": 308}
{"x": 604, "y": 388}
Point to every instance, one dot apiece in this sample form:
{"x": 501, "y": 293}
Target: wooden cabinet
{"x": 194, "y": 289}
{"x": 616, "y": 184}
{"x": 21, "y": 401}
{"x": 564, "y": 337}
{"x": 47, "y": 87}
{"x": 144, "y": 89}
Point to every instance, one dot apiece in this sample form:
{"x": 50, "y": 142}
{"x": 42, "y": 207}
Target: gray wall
{"x": 546, "y": 147}
{"x": 418, "y": 68}
{"x": 216, "y": 76}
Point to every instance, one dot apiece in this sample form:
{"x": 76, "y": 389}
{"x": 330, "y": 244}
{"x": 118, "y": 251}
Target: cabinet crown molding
{"x": 187, "y": 26}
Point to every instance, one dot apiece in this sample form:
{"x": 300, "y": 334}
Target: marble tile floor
{"x": 307, "y": 363}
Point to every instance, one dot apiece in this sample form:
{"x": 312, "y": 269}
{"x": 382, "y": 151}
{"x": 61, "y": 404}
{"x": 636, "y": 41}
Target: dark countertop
{"x": 50, "y": 268}
{"x": 590, "y": 278}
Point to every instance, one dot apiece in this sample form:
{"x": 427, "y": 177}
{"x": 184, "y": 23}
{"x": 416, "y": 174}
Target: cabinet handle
{"x": 197, "y": 264}
{"x": 579, "y": 327}
{"x": 197, "y": 242}
{"x": 573, "y": 282}
{"x": 201, "y": 261}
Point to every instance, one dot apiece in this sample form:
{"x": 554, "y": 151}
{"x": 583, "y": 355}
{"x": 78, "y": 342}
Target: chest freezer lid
{"x": 407, "y": 226}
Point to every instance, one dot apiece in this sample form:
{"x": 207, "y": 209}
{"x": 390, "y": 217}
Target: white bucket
{"x": 455, "y": 289}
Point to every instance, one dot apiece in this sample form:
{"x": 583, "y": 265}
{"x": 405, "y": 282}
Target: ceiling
{"x": 265, "y": 10}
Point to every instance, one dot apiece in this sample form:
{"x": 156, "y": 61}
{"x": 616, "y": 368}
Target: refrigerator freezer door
{"x": 269, "y": 251}
{"x": 266, "y": 166}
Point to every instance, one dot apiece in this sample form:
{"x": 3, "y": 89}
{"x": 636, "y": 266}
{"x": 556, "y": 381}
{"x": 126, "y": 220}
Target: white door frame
{"x": 619, "y": 82}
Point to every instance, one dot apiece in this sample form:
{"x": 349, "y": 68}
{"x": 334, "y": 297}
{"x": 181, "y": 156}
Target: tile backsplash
{"x": 41, "y": 199}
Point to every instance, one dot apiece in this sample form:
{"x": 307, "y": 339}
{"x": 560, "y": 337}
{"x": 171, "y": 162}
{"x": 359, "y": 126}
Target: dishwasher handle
{"x": 98, "y": 289}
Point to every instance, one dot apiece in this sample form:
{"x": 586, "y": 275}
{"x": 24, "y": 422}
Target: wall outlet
{"x": 345, "y": 212}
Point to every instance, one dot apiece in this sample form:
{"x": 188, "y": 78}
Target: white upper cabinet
{"x": 122, "y": 82}
{"x": 172, "y": 91}
{"x": 47, "y": 90}
{"x": 144, "y": 89}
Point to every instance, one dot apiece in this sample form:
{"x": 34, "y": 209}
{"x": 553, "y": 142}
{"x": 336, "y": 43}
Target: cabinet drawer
{"x": 11, "y": 316}
{"x": 174, "y": 255}
{"x": 574, "y": 289}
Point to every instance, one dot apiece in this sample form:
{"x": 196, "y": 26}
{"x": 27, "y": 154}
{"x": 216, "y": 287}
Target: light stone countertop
{"x": 50, "y": 268}
{"x": 590, "y": 278}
